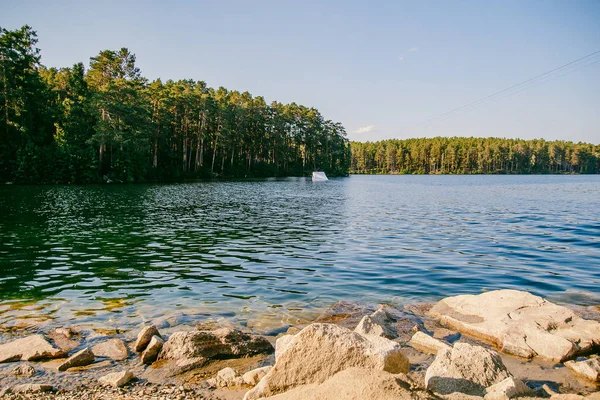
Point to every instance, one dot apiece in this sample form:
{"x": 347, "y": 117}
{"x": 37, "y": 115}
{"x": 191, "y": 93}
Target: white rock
{"x": 151, "y": 353}
{"x": 81, "y": 358}
{"x": 23, "y": 370}
{"x": 144, "y": 337}
{"x": 507, "y": 389}
{"x": 281, "y": 344}
{"x": 319, "y": 351}
{"x": 30, "y": 348}
{"x": 589, "y": 369}
{"x": 520, "y": 323}
{"x": 116, "y": 379}
{"x": 377, "y": 324}
{"x": 253, "y": 377}
{"x": 427, "y": 344}
{"x": 228, "y": 377}
{"x": 466, "y": 369}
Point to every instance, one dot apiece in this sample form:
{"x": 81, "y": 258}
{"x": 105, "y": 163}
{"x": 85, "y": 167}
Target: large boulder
{"x": 520, "y": 323}
{"x": 357, "y": 384}
{"x": 116, "y": 379}
{"x": 79, "y": 359}
{"x": 197, "y": 346}
{"x": 465, "y": 369}
{"x": 144, "y": 337}
{"x": 589, "y": 369}
{"x": 319, "y": 351}
{"x": 30, "y": 348}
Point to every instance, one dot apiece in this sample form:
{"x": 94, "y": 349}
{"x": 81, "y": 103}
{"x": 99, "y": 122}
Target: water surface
{"x": 120, "y": 254}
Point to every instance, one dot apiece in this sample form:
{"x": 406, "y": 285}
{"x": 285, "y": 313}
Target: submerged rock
{"x": 589, "y": 369}
{"x": 30, "y": 348}
{"x": 425, "y": 343}
{"x": 357, "y": 384}
{"x": 520, "y": 323}
{"x": 228, "y": 377}
{"x": 116, "y": 379}
{"x": 344, "y": 313}
{"x": 79, "y": 359}
{"x": 319, "y": 351}
{"x": 465, "y": 369}
{"x": 144, "y": 337}
{"x": 114, "y": 349}
{"x": 23, "y": 370}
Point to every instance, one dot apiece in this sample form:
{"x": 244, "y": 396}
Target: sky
{"x": 384, "y": 69}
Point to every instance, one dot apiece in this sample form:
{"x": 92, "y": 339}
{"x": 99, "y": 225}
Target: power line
{"x": 447, "y": 113}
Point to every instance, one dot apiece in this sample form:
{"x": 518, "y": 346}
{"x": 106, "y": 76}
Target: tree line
{"x": 108, "y": 122}
{"x": 458, "y": 155}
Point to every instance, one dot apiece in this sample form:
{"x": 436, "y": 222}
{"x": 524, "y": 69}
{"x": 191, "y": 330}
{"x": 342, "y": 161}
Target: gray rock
{"x": 23, "y": 370}
{"x": 79, "y": 359}
{"x": 425, "y": 343}
{"x": 520, "y": 323}
{"x": 116, "y": 379}
{"x": 152, "y": 350}
{"x": 144, "y": 337}
{"x": 253, "y": 377}
{"x": 466, "y": 369}
{"x": 114, "y": 349}
{"x": 31, "y": 348}
{"x": 219, "y": 343}
{"x": 589, "y": 369}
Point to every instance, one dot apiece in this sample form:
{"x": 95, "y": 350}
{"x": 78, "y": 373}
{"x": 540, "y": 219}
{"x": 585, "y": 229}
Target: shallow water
{"x": 120, "y": 254}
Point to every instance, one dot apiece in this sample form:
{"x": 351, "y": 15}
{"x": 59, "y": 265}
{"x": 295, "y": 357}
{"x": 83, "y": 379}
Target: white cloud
{"x": 413, "y": 49}
{"x": 365, "y": 129}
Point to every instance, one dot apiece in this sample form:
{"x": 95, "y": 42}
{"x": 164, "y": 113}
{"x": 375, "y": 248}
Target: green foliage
{"x": 474, "y": 156}
{"x": 71, "y": 126}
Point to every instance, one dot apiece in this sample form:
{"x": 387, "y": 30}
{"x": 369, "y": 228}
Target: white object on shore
{"x": 319, "y": 176}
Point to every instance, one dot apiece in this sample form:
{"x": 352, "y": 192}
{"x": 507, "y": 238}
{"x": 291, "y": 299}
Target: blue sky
{"x": 380, "y": 68}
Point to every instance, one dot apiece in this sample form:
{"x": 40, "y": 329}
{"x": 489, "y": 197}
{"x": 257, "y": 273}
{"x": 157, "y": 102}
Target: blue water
{"x": 77, "y": 252}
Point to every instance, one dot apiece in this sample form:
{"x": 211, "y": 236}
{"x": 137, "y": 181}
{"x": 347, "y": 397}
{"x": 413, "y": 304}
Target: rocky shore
{"x": 497, "y": 345}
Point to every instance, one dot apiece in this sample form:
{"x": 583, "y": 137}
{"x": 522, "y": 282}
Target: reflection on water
{"x": 119, "y": 254}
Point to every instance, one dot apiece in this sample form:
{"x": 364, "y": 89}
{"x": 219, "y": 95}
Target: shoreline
{"x": 152, "y": 382}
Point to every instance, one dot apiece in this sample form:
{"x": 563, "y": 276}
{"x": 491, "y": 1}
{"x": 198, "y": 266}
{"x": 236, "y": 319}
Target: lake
{"x": 121, "y": 254}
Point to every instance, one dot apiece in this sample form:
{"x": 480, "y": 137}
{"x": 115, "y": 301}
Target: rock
{"x": 377, "y": 324}
{"x": 319, "y": 351}
{"x": 61, "y": 338}
{"x": 114, "y": 349}
{"x": 281, "y": 344}
{"x": 95, "y": 365}
{"x": 66, "y": 332}
{"x": 426, "y": 344}
{"x": 357, "y": 384}
{"x": 228, "y": 377}
{"x": 220, "y": 343}
{"x": 520, "y": 323}
{"x": 144, "y": 337}
{"x": 589, "y": 369}
{"x": 508, "y": 389}
{"x": 81, "y": 358}
{"x": 466, "y": 369}
{"x": 344, "y": 313}
{"x": 292, "y": 330}
{"x": 23, "y": 370}
{"x": 31, "y": 388}
{"x": 30, "y": 348}
{"x": 253, "y": 377}
{"x": 116, "y": 379}
{"x": 151, "y": 353}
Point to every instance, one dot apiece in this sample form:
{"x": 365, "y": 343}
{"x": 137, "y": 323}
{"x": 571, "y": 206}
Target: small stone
{"x": 83, "y": 357}
{"x": 589, "y": 369}
{"x": 507, "y": 389}
{"x": 144, "y": 337}
{"x": 151, "y": 353}
{"x": 253, "y": 377}
{"x": 228, "y": 377}
{"x": 377, "y": 324}
{"x": 425, "y": 343}
{"x": 23, "y": 370}
{"x": 66, "y": 332}
{"x": 114, "y": 349}
{"x": 116, "y": 379}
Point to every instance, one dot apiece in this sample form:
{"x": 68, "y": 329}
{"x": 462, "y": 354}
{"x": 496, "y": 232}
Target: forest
{"x": 109, "y": 123}
{"x": 459, "y": 155}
